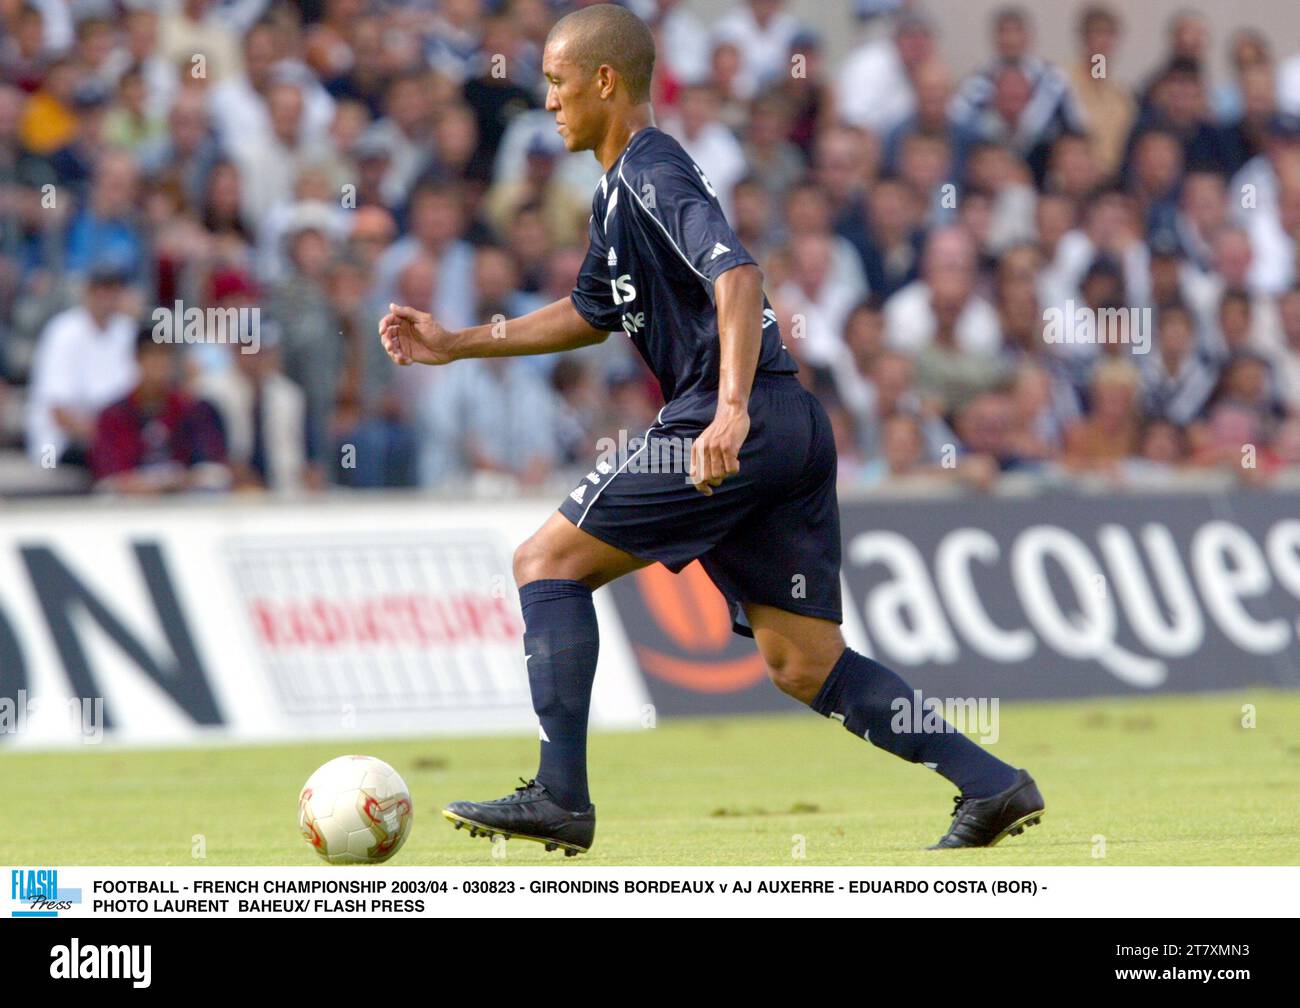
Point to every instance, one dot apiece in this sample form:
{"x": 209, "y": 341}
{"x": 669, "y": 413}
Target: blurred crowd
{"x": 298, "y": 166}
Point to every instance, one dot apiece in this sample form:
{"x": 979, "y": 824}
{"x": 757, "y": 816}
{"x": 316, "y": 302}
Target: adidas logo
{"x": 612, "y": 258}
{"x": 579, "y": 493}
{"x": 718, "y": 249}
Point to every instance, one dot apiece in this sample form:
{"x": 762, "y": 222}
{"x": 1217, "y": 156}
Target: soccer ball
{"x": 355, "y": 810}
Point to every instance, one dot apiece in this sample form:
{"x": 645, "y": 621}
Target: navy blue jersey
{"x": 659, "y": 240}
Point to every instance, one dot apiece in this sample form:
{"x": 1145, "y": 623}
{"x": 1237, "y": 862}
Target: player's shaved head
{"x": 612, "y": 36}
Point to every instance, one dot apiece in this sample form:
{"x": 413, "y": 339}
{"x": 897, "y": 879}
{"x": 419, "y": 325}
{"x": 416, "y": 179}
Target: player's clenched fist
{"x": 715, "y": 455}
{"x": 414, "y": 337}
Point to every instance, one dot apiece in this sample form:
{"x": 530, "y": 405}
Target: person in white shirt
{"x": 762, "y": 31}
{"x": 240, "y": 104}
{"x": 1232, "y": 259}
{"x": 684, "y": 43}
{"x": 875, "y": 89}
{"x": 270, "y": 164}
{"x": 1273, "y": 266}
{"x": 85, "y": 359}
{"x": 1110, "y": 228}
{"x": 947, "y": 267}
{"x": 819, "y": 305}
{"x": 709, "y": 143}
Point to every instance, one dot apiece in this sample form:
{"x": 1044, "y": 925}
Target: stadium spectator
{"x": 1247, "y": 130}
{"x": 24, "y": 55}
{"x": 1177, "y": 378}
{"x": 729, "y": 84}
{"x": 539, "y": 188}
{"x": 1037, "y": 428}
{"x": 927, "y": 162}
{"x": 192, "y": 34}
{"x": 1153, "y": 183}
{"x": 498, "y": 91}
{"x": 762, "y": 32}
{"x": 1187, "y": 37}
{"x": 1017, "y": 98}
{"x": 85, "y": 359}
{"x": 894, "y": 241}
{"x": 948, "y": 375}
{"x": 985, "y": 426}
{"x": 157, "y": 439}
{"x": 1161, "y": 456}
{"x": 1233, "y": 258}
{"x": 875, "y": 89}
{"x": 771, "y": 157}
{"x": 494, "y": 416}
{"x": 1179, "y": 104}
{"x": 807, "y": 91}
{"x": 1202, "y": 212}
{"x": 310, "y": 339}
{"x": 1240, "y": 421}
{"x": 710, "y": 144}
{"x": 405, "y": 129}
{"x": 1108, "y": 109}
{"x": 947, "y": 284}
{"x": 934, "y": 89}
{"x": 108, "y": 226}
{"x": 682, "y": 44}
{"x": 902, "y": 453}
{"x": 1108, "y": 432}
{"x": 453, "y": 39}
{"x": 435, "y": 226}
{"x": 754, "y": 217}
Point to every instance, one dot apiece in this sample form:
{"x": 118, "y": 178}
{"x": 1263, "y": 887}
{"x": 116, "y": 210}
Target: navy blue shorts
{"x": 769, "y": 535}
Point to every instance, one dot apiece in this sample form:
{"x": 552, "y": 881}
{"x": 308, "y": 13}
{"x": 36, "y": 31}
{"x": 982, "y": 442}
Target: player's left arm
{"x": 738, "y": 296}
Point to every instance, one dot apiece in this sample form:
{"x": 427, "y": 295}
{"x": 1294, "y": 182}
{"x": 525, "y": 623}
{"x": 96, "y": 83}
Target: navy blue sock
{"x": 861, "y": 693}
{"x": 561, "y": 641}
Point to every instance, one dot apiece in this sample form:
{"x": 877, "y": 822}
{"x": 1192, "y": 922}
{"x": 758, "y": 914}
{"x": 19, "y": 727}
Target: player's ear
{"x": 606, "y": 81}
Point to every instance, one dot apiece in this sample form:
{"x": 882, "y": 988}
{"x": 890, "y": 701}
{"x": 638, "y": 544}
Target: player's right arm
{"x": 411, "y": 336}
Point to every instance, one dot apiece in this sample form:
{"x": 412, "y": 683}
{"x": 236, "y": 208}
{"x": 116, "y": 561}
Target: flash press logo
{"x": 38, "y": 888}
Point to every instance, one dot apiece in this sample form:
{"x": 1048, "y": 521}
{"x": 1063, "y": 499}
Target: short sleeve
{"x": 593, "y": 297}
{"x": 684, "y": 208}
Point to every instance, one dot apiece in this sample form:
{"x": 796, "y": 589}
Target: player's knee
{"x": 796, "y": 674}
{"x": 532, "y": 561}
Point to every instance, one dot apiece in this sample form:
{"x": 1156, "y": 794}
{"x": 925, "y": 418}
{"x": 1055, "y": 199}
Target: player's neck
{"x": 620, "y": 134}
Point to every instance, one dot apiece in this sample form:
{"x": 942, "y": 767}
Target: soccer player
{"x": 754, "y": 501}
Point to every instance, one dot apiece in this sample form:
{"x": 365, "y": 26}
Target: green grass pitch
{"x": 1152, "y": 781}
